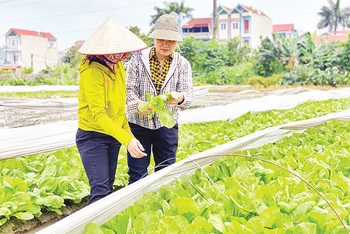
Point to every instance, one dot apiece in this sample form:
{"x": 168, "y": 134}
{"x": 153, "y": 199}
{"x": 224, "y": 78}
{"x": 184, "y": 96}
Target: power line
{"x": 10, "y": 1}
{"x": 23, "y": 4}
{"x": 78, "y": 13}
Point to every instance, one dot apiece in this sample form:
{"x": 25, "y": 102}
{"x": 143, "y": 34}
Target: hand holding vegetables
{"x": 158, "y": 105}
{"x": 175, "y": 98}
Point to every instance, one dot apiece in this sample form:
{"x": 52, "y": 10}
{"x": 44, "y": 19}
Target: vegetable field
{"x": 255, "y": 191}
{"x": 240, "y": 193}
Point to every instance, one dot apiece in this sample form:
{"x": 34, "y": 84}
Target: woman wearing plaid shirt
{"x": 157, "y": 70}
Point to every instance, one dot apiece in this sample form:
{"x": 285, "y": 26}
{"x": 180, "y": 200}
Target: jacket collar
{"x": 106, "y": 70}
{"x": 145, "y": 60}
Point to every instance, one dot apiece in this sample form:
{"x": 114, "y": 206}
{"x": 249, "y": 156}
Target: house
{"x": 244, "y": 22}
{"x": 331, "y": 37}
{"x": 79, "y": 43}
{"x": 26, "y": 48}
{"x": 241, "y": 21}
{"x": 286, "y": 30}
{"x": 199, "y": 28}
{"x": 2, "y": 56}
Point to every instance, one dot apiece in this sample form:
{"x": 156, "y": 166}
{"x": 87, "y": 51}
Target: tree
{"x": 170, "y": 7}
{"x": 72, "y": 56}
{"x": 346, "y": 17}
{"x": 142, "y": 36}
{"x": 331, "y": 16}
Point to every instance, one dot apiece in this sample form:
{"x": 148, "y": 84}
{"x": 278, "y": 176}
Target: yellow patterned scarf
{"x": 158, "y": 77}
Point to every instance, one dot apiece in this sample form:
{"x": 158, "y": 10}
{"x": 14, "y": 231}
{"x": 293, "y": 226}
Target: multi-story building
{"x": 286, "y": 30}
{"x": 2, "y": 56}
{"x": 244, "y": 22}
{"x": 199, "y": 28}
{"x": 241, "y": 21}
{"x": 26, "y": 48}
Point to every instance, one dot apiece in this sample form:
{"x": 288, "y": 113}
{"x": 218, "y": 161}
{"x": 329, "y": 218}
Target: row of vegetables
{"x": 271, "y": 189}
{"x": 42, "y": 182}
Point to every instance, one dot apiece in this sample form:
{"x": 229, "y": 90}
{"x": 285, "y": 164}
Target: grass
{"x": 42, "y": 94}
{"x": 212, "y": 88}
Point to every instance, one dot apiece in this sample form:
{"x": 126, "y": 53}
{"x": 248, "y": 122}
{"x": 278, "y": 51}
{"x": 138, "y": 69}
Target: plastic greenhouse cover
{"x": 14, "y": 89}
{"x": 28, "y": 103}
{"x": 108, "y": 207}
{"x": 15, "y": 142}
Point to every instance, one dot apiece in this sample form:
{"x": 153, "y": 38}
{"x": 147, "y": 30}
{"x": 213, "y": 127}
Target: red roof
{"x": 254, "y": 11}
{"x": 10, "y": 67}
{"x": 32, "y": 33}
{"x": 79, "y": 42}
{"x": 48, "y": 35}
{"x": 227, "y": 8}
{"x": 198, "y": 22}
{"x": 283, "y": 27}
{"x": 331, "y": 38}
{"x": 340, "y": 32}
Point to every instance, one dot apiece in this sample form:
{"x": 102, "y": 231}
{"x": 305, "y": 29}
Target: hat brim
{"x": 112, "y": 38}
{"x": 166, "y": 35}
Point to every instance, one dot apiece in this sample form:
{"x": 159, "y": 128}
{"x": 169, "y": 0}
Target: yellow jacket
{"x": 102, "y": 100}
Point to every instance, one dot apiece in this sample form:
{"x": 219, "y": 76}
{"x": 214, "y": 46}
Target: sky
{"x": 72, "y": 20}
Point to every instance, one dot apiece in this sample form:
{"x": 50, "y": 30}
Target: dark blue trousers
{"x": 161, "y": 142}
{"x": 99, "y": 153}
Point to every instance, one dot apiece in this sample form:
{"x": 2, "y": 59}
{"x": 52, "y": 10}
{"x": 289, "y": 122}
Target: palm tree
{"x": 346, "y": 17}
{"x": 170, "y": 7}
{"x": 331, "y": 16}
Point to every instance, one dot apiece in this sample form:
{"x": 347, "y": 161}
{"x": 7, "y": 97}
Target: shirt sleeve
{"x": 185, "y": 85}
{"x": 132, "y": 85}
{"x": 95, "y": 97}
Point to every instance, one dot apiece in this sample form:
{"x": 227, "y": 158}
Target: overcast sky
{"x": 72, "y": 20}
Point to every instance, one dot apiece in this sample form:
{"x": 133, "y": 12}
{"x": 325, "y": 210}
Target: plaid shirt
{"x": 139, "y": 83}
{"x": 158, "y": 77}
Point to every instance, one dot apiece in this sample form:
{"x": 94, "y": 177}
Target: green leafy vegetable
{"x": 158, "y": 105}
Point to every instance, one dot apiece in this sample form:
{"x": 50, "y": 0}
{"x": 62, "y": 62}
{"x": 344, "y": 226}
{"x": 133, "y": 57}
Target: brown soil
{"x": 45, "y": 220}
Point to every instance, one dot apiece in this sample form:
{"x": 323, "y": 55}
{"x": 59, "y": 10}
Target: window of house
{"x": 51, "y": 43}
{"x": 15, "y": 58}
{"x": 246, "y": 26}
{"x": 184, "y": 30}
{"x": 205, "y": 29}
{"x": 235, "y": 25}
{"x": 13, "y": 42}
{"x": 223, "y": 26}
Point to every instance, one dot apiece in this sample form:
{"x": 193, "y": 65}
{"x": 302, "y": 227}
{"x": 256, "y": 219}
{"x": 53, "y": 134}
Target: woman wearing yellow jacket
{"x": 102, "y": 122}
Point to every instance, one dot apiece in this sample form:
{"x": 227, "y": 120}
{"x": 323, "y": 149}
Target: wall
{"x": 36, "y": 51}
{"x": 261, "y": 27}
{"x": 222, "y": 34}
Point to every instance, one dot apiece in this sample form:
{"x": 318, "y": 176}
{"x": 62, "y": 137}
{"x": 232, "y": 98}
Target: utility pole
{"x": 214, "y": 20}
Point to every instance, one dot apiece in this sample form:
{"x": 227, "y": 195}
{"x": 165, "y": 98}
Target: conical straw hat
{"x": 111, "y": 38}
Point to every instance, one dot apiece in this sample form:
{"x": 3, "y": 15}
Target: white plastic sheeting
{"x": 28, "y": 103}
{"x": 270, "y": 102}
{"x": 16, "y": 142}
{"x": 16, "y": 89}
{"x": 108, "y": 207}
{"x": 43, "y": 138}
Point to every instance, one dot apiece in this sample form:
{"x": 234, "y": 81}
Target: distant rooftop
{"x": 198, "y": 22}
{"x": 283, "y": 27}
{"x": 30, "y": 33}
